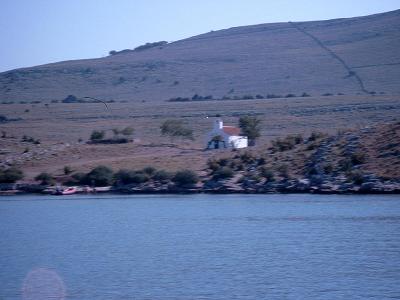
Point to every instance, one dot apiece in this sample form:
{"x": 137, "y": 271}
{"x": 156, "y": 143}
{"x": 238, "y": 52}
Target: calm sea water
{"x": 200, "y": 247}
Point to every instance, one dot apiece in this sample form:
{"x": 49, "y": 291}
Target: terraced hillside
{"x": 349, "y": 56}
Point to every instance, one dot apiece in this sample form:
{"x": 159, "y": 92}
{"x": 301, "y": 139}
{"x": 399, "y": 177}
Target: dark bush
{"x": 267, "y": 174}
{"x": 247, "y": 157}
{"x": 149, "y": 171}
{"x": 10, "y": 175}
{"x": 250, "y": 127}
{"x": 99, "y": 176}
{"x": 273, "y": 96}
{"x": 149, "y": 45}
{"x": 97, "y": 135}
{"x": 70, "y": 99}
{"x": 328, "y": 168}
{"x": 130, "y": 176}
{"x": 261, "y": 161}
{"x": 79, "y": 177}
{"x": 356, "y": 177}
{"x": 67, "y": 170}
{"x": 223, "y": 173}
{"x": 315, "y": 135}
{"x": 286, "y": 143}
{"x": 185, "y": 177}
{"x": 29, "y": 139}
{"x": 45, "y": 178}
{"x": 176, "y": 128}
{"x": 345, "y": 164}
{"x": 162, "y": 175}
{"x": 283, "y": 170}
{"x": 358, "y": 158}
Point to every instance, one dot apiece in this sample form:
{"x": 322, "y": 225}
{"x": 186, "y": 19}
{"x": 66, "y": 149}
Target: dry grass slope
{"x": 349, "y": 56}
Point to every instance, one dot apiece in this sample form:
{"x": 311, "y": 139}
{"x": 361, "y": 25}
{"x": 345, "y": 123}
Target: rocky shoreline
{"x": 294, "y": 186}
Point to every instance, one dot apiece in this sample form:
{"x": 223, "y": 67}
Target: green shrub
{"x": 10, "y": 175}
{"x": 358, "y": 158}
{"x": 127, "y": 131}
{"x": 45, "y": 178}
{"x": 79, "y": 177}
{"x": 223, "y": 162}
{"x": 176, "y": 128}
{"x": 261, "y": 161}
{"x": 286, "y": 143}
{"x": 223, "y": 173}
{"x": 185, "y": 177}
{"x": 146, "y": 46}
{"x": 97, "y": 135}
{"x": 316, "y": 135}
{"x": 346, "y": 164}
{"x": 213, "y": 164}
{"x": 356, "y": 177}
{"x": 100, "y": 176}
{"x": 162, "y": 175}
{"x": 283, "y": 170}
{"x": 149, "y": 170}
{"x": 29, "y": 139}
{"x": 129, "y": 176}
{"x": 250, "y": 127}
{"x": 328, "y": 168}
{"x": 247, "y": 157}
{"x": 267, "y": 174}
{"x": 67, "y": 170}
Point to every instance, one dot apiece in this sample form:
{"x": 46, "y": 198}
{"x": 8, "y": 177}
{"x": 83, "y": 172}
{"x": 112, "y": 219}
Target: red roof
{"x": 231, "y": 130}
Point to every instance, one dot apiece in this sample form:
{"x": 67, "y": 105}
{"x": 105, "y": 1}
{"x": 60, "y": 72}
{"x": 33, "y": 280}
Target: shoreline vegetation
{"x": 348, "y": 162}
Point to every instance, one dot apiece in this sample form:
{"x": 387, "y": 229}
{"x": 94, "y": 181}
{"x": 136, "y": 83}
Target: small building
{"x": 225, "y": 137}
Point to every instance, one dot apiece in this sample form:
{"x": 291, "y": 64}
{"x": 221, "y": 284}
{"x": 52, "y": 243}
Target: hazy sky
{"x": 34, "y": 32}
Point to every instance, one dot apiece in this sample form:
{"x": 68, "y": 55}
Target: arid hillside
{"x": 347, "y": 56}
{"x": 49, "y": 136}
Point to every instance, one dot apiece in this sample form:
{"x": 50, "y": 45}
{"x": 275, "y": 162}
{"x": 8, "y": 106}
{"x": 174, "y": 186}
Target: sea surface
{"x": 200, "y": 247}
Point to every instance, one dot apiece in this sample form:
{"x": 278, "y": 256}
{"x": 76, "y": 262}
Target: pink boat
{"x": 67, "y": 191}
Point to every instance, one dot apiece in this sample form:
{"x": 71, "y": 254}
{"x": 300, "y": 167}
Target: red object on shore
{"x": 67, "y": 191}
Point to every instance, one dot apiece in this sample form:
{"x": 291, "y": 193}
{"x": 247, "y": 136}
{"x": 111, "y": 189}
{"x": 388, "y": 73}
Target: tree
{"x": 130, "y": 176}
{"x": 127, "y": 131}
{"x": 250, "y": 127}
{"x": 97, "y": 135}
{"x": 44, "y": 178}
{"x": 10, "y": 175}
{"x": 176, "y": 128}
{"x": 100, "y": 176}
{"x": 185, "y": 177}
{"x": 162, "y": 175}
{"x": 67, "y": 170}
